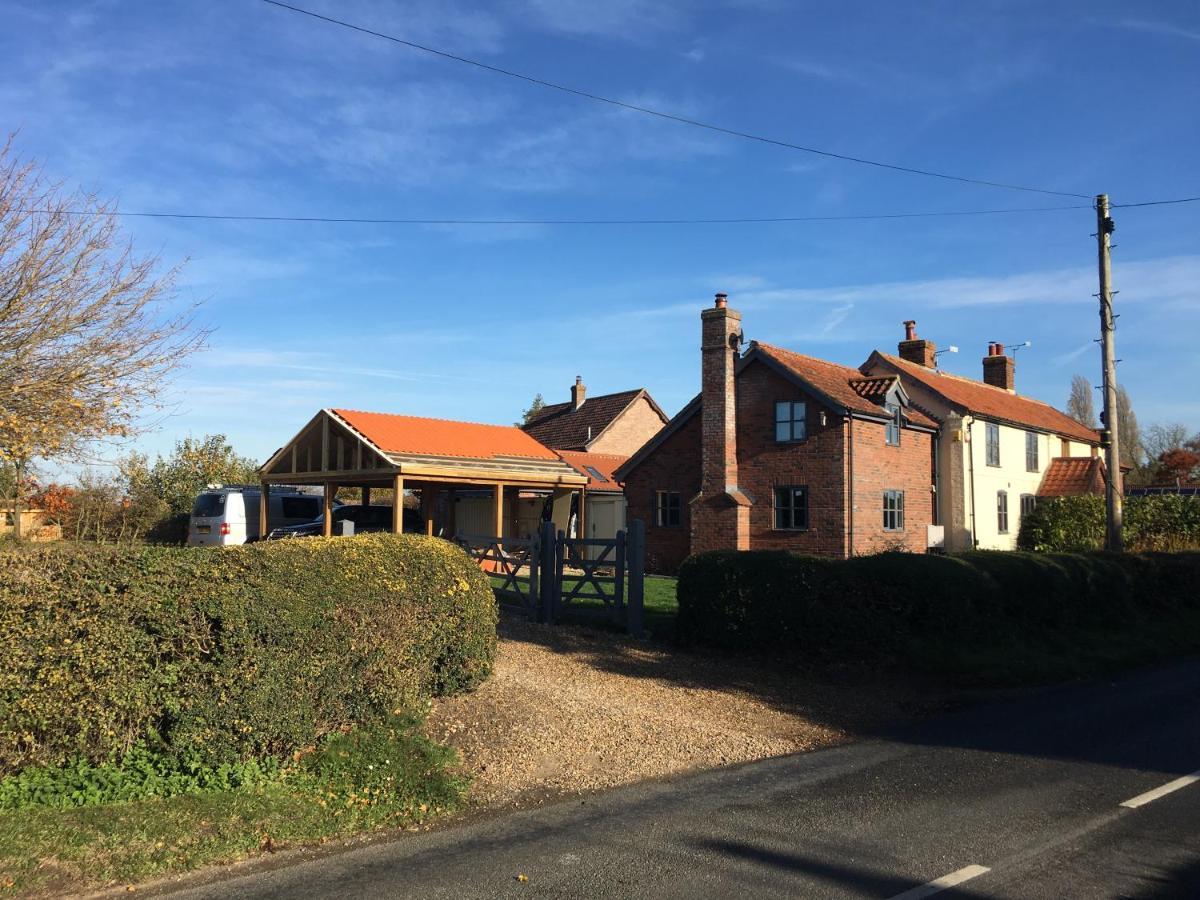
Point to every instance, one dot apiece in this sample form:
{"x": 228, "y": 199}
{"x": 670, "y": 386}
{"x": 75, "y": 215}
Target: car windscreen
{"x": 208, "y": 505}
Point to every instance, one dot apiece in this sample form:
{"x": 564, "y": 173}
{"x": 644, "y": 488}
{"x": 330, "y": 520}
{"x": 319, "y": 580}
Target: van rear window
{"x": 208, "y": 505}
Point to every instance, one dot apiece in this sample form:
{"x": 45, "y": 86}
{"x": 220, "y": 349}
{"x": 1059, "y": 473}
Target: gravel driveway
{"x": 571, "y": 710}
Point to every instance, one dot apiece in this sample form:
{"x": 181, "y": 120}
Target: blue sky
{"x": 233, "y": 106}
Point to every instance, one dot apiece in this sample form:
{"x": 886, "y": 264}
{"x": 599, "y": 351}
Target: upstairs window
{"x": 667, "y": 508}
{"x": 791, "y": 508}
{"x": 1031, "y": 451}
{"x": 993, "y": 444}
{"x": 790, "y": 422}
{"x": 1002, "y": 512}
{"x": 892, "y": 430}
{"x": 893, "y": 510}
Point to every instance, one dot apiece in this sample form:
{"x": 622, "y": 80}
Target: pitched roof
{"x": 443, "y": 437}
{"x": 561, "y": 426}
{"x": 1069, "y": 476}
{"x": 842, "y": 386}
{"x": 992, "y": 402}
{"x": 591, "y": 464}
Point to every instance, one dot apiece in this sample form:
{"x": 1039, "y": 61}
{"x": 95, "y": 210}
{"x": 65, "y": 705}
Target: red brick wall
{"x": 674, "y": 466}
{"x": 820, "y": 462}
{"x": 877, "y": 468}
{"x": 765, "y": 464}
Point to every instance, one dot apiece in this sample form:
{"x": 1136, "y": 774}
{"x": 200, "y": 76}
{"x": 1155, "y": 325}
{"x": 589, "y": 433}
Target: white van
{"x": 228, "y": 514}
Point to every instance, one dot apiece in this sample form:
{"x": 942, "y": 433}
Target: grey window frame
{"x": 790, "y": 508}
{"x": 1028, "y": 507}
{"x": 991, "y": 447}
{"x": 1032, "y": 454}
{"x": 663, "y": 508}
{"x": 891, "y": 431}
{"x": 1002, "y": 512}
{"x": 893, "y": 509}
{"x": 791, "y": 421}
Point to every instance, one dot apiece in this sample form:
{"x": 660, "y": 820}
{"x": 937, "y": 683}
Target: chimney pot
{"x": 910, "y": 330}
{"x": 916, "y": 350}
{"x": 722, "y": 301}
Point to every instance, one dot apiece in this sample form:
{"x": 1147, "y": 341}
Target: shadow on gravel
{"x": 1105, "y": 722}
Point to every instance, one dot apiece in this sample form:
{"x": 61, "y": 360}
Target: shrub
{"x": 227, "y": 654}
{"x": 935, "y": 613}
{"x": 1076, "y": 524}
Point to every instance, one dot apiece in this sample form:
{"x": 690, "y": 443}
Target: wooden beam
{"x": 582, "y": 513}
{"x": 366, "y": 495}
{"x": 498, "y": 510}
{"x": 398, "y": 505}
{"x": 325, "y": 444}
{"x": 293, "y": 457}
{"x": 327, "y": 523}
{"x": 452, "y": 512}
{"x": 358, "y": 455}
{"x": 264, "y": 506}
{"x": 428, "y": 499}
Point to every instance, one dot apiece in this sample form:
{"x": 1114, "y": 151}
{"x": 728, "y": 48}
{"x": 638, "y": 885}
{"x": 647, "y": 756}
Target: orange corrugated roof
{"x": 993, "y": 402}
{"x": 604, "y": 463}
{"x": 1069, "y": 476}
{"x": 443, "y": 437}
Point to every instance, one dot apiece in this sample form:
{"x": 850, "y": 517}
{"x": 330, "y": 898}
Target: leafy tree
{"x": 535, "y": 409}
{"x": 161, "y": 493}
{"x": 88, "y": 331}
{"x": 1080, "y": 405}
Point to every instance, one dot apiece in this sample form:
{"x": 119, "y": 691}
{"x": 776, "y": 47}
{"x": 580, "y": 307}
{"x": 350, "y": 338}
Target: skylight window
{"x": 591, "y": 470}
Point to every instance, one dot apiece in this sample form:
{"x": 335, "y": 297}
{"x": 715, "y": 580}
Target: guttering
{"x": 971, "y": 464}
{"x": 850, "y": 486}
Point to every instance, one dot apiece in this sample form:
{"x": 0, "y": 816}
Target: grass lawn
{"x": 659, "y": 607}
{"x": 383, "y": 778}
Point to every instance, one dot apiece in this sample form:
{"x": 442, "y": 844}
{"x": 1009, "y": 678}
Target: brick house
{"x": 612, "y": 424}
{"x": 782, "y": 451}
{"x": 998, "y": 451}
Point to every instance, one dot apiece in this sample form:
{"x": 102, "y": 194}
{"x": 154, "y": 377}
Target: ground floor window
{"x": 893, "y": 510}
{"x": 791, "y": 508}
{"x": 1028, "y": 502}
{"x": 1002, "y": 511}
{"x": 666, "y": 508}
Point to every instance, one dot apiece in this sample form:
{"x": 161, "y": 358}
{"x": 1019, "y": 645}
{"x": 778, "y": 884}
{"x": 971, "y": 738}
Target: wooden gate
{"x": 550, "y": 574}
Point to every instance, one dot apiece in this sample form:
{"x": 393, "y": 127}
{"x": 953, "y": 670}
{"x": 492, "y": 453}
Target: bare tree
{"x": 1132, "y": 452}
{"x": 88, "y": 333}
{"x": 1080, "y": 405}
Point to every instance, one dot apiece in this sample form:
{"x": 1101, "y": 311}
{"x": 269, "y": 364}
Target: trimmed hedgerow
{"x": 999, "y": 616}
{"x": 1155, "y": 522}
{"x": 221, "y": 655}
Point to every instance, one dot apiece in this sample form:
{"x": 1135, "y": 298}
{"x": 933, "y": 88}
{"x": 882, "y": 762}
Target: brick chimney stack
{"x": 916, "y": 350}
{"x": 720, "y": 515}
{"x": 999, "y": 369}
{"x": 578, "y": 392}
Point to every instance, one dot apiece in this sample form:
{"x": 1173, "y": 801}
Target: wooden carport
{"x": 348, "y": 448}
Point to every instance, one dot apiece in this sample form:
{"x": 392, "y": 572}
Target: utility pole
{"x": 1114, "y": 490}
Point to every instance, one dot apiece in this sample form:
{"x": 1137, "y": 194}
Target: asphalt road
{"x": 1019, "y": 799}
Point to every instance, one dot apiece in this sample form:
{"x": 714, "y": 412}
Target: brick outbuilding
{"x": 783, "y": 451}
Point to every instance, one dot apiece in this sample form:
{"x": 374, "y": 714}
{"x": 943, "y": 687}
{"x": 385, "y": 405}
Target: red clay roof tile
{"x": 1069, "y": 476}
{"x": 993, "y": 402}
{"x": 603, "y": 463}
{"x": 443, "y": 437}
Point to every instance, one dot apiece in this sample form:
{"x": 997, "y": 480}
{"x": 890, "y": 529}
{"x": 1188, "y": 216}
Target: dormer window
{"x": 892, "y": 429}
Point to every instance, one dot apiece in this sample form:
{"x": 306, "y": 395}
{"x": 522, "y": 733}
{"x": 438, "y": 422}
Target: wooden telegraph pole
{"x": 1112, "y": 453}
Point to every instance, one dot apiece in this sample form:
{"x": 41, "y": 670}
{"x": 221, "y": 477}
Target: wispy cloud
{"x": 627, "y": 19}
{"x": 1071, "y": 355}
{"x": 1164, "y": 29}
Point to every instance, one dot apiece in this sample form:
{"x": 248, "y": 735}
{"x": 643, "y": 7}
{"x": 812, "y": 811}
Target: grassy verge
{"x": 382, "y": 778}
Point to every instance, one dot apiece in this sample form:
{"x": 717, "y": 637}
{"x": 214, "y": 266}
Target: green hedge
{"x": 1157, "y": 522}
{"x": 221, "y": 655}
{"x": 939, "y": 613}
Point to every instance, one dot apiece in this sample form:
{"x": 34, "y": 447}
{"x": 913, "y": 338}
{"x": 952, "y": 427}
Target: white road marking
{"x": 941, "y": 884}
{"x": 1169, "y": 788}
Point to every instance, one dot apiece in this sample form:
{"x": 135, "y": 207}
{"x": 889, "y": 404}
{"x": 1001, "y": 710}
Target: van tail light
{"x": 224, "y": 529}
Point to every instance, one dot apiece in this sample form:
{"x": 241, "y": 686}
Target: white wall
{"x": 1011, "y": 476}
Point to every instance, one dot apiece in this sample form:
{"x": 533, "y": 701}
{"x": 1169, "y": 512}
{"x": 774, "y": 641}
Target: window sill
{"x": 792, "y": 530}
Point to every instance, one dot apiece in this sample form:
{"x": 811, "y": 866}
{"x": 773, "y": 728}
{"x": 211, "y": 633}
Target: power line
{"x": 683, "y": 120}
{"x": 1154, "y": 203}
{"x": 675, "y": 221}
